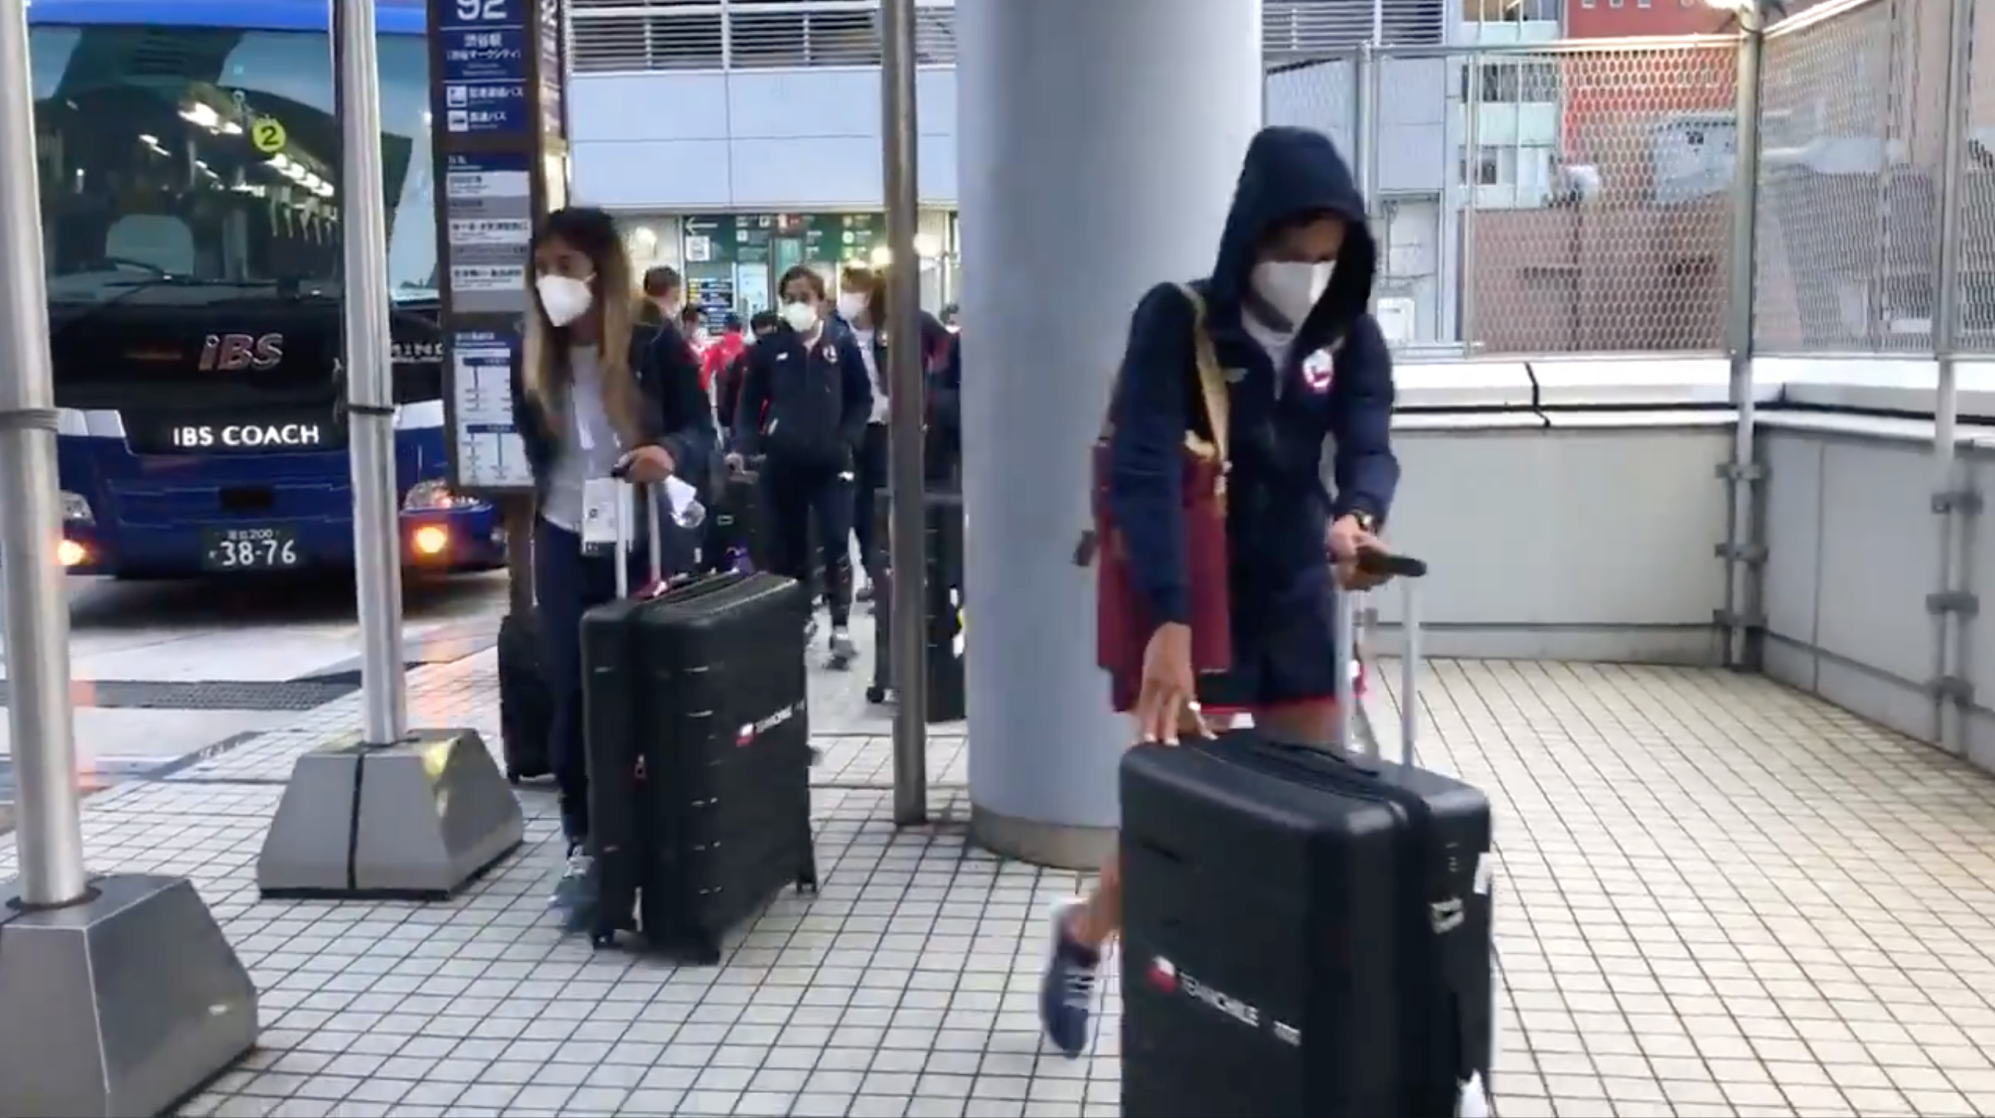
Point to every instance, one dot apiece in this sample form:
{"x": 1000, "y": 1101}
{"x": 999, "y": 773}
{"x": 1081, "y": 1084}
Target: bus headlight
{"x": 435, "y": 496}
{"x": 76, "y": 509}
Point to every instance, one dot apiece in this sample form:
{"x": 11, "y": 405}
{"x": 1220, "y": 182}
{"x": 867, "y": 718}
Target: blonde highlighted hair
{"x": 544, "y": 351}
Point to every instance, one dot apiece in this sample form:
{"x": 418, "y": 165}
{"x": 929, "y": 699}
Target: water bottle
{"x": 684, "y": 502}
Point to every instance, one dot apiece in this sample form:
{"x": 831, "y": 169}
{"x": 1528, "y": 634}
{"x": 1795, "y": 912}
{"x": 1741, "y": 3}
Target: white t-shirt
{"x": 589, "y": 448}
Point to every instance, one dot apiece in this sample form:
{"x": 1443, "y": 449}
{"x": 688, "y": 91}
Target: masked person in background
{"x": 862, "y": 303}
{"x": 805, "y": 400}
{"x": 727, "y": 382}
{"x": 693, "y": 327}
{"x": 719, "y": 354}
{"x": 663, "y": 292}
{"x": 591, "y": 393}
{"x": 1285, "y": 307}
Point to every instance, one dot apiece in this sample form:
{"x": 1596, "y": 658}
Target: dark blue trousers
{"x": 568, "y": 581}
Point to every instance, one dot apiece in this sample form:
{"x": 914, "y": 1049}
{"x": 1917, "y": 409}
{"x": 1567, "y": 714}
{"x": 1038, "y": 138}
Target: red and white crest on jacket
{"x": 1318, "y": 369}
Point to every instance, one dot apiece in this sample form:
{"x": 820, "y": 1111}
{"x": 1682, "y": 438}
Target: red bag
{"x": 1122, "y": 622}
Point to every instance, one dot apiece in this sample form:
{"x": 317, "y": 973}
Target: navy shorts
{"x": 1284, "y": 654}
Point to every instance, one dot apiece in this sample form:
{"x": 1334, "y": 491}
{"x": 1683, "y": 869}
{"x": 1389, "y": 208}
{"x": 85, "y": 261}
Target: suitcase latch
{"x": 638, "y": 770}
{"x": 1446, "y": 915}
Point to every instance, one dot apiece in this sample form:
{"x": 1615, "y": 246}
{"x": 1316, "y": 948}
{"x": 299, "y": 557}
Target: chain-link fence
{"x": 1580, "y": 196}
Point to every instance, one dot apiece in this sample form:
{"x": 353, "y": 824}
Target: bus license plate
{"x": 250, "y": 549}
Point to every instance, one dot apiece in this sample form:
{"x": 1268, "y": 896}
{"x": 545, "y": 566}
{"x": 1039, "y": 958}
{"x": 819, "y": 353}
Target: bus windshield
{"x": 207, "y": 157}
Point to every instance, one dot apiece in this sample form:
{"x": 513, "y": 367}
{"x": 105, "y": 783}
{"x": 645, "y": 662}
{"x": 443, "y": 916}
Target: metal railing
{"x": 638, "y": 36}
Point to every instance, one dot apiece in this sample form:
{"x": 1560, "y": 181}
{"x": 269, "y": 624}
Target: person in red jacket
{"x": 721, "y": 353}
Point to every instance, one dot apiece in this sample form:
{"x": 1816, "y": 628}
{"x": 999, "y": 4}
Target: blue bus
{"x": 189, "y": 157}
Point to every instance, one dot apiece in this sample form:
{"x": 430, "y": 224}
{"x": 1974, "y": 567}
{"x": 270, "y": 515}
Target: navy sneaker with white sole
{"x": 1066, "y": 991}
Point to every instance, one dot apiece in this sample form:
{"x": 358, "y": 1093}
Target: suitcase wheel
{"x": 700, "y": 950}
{"x": 513, "y": 776}
{"x": 876, "y": 694}
{"x": 602, "y": 940}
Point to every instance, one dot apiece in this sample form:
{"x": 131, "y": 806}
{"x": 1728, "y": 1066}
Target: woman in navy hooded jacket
{"x": 592, "y": 394}
{"x": 1286, "y": 308}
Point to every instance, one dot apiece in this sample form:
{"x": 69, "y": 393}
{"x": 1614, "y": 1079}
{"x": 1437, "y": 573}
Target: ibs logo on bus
{"x": 234, "y": 353}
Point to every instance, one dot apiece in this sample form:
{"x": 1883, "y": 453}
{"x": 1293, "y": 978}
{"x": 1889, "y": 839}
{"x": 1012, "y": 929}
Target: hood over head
{"x": 1290, "y": 175}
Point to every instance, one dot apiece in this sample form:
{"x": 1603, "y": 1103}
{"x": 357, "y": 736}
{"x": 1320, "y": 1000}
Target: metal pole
{"x": 36, "y": 605}
{"x": 1740, "y": 553}
{"x": 905, "y": 391}
{"x": 1364, "y": 122}
{"x": 1950, "y": 501}
{"x": 377, "y": 549}
{"x": 1465, "y": 286}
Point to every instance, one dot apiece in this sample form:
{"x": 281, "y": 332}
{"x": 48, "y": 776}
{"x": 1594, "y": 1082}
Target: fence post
{"x": 1741, "y": 551}
{"x": 1469, "y": 171}
{"x": 1364, "y": 122}
{"x": 1954, "y": 498}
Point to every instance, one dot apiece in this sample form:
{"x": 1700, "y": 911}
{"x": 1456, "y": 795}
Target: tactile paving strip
{"x": 268, "y": 695}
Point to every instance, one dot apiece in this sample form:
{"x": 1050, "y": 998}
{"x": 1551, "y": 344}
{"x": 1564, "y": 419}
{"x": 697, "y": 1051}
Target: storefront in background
{"x": 732, "y": 262}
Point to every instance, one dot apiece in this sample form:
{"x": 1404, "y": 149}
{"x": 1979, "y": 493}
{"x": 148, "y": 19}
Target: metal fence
{"x": 1580, "y": 196}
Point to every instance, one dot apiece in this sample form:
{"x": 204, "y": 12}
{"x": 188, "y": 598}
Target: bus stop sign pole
{"x": 390, "y": 812}
{"x": 83, "y": 1029}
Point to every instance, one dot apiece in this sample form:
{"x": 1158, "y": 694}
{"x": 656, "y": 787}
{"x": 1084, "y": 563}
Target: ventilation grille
{"x": 635, "y": 36}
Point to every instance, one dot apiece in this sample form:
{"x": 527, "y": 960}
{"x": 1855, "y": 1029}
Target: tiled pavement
{"x": 1717, "y": 897}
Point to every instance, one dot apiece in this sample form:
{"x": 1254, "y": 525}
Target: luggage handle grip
{"x": 640, "y": 493}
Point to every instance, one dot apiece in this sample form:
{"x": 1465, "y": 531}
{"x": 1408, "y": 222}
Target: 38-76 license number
{"x": 250, "y": 549}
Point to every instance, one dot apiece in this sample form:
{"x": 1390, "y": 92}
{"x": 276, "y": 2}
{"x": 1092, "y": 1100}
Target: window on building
{"x": 1526, "y": 167}
{"x": 1511, "y": 11}
{"x": 1511, "y": 82}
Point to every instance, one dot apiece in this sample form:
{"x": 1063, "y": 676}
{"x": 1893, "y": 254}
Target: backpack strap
{"x": 1217, "y": 402}
{"x": 1214, "y": 399}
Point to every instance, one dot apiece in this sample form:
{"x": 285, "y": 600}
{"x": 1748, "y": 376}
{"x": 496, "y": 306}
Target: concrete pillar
{"x": 1099, "y": 141}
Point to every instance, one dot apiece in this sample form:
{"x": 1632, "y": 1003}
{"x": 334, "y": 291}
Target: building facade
{"x": 742, "y": 137}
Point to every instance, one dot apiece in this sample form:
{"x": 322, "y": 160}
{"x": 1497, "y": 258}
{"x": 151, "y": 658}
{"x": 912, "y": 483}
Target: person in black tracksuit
{"x": 862, "y": 305}
{"x": 805, "y": 399}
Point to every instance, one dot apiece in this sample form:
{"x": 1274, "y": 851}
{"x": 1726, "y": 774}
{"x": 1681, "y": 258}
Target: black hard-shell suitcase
{"x": 942, "y": 553}
{"x": 1306, "y": 933}
{"x": 698, "y": 738}
{"x": 737, "y": 539}
{"x": 526, "y": 702}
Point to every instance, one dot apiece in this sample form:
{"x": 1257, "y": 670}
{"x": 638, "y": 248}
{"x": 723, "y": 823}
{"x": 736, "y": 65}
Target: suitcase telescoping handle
{"x": 1405, "y": 570}
{"x": 635, "y": 494}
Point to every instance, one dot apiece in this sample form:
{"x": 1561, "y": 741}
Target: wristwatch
{"x": 1366, "y": 521}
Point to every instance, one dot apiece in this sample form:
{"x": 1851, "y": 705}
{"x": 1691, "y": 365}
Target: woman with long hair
{"x": 863, "y": 304}
{"x": 592, "y": 395}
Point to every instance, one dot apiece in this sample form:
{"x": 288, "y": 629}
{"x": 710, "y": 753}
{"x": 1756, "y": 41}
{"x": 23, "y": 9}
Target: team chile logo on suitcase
{"x": 750, "y": 731}
{"x": 1165, "y": 977}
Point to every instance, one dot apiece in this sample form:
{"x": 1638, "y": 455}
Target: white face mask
{"x": 564, "y": 298}
{"x": 1292, "y": 287}
{"x": 850, "y": 307}
{"x": 800, "y": 316}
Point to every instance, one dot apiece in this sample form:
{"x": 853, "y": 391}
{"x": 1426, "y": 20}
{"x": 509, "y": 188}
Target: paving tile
{"x": 1716, "y": 897}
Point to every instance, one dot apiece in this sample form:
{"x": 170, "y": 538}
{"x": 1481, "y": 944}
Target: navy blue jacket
{"x": 676, "y": 416}
{"x": 780, "y": 367}
{"x": 1278, "y": 509}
